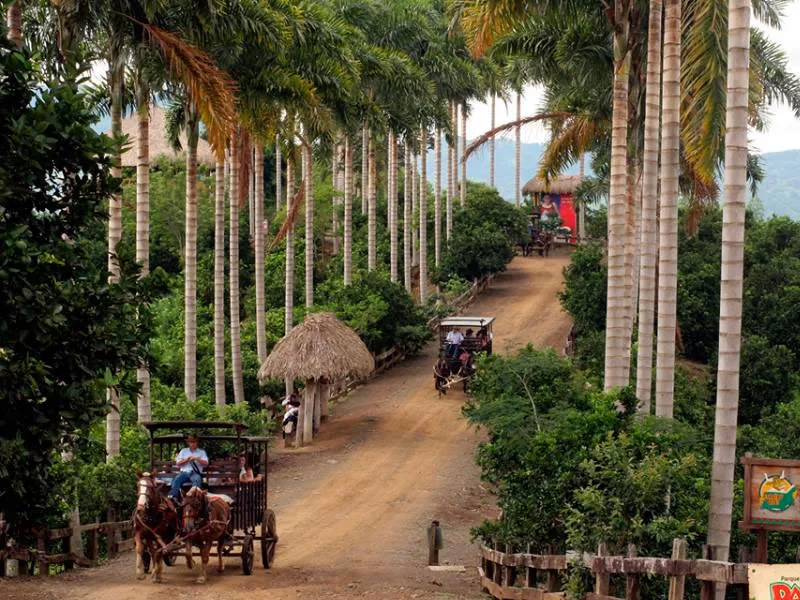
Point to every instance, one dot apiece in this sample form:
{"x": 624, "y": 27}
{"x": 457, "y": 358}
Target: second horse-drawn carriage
{"x": 234, "y": 485}
{"x": 460, "y": 339}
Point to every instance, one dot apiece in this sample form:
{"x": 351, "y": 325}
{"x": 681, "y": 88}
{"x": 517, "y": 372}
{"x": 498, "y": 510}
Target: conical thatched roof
{"x": 563, "y": 184}
{"x": 320, "y": 347}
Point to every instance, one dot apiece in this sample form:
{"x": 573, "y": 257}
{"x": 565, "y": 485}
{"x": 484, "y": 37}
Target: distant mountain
{"x": 780, "y": 191}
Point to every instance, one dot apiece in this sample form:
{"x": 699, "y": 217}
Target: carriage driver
{"x": 191, "y": 460}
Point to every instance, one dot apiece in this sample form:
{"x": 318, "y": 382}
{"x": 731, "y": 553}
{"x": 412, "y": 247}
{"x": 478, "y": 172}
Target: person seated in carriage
{"x": 191, "y": 461}
{"x": 453, "y": 340}
{"x": 484, "y": 340}
{"x": 441, "y": 371}
{"x": 246, "y": 470}
{"x": 466, "y": 363}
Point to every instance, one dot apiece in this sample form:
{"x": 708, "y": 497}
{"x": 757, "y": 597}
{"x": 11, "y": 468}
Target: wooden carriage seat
{"x": 220, "y": 476}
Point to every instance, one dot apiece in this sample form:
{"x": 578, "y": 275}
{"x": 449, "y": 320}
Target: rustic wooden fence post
{"x": 530, "y": 573}
{"x": 112, "y": 534}
{"x": 706, "y": 587}
{"x": 677, "y": 583}
{"x": 632, "y": 580}
{"x": 510, "y": 572}
{"x": 41, "y": 553}
{"x": 552, "y": 583}
{"x": 91, "y": 542}
{"x": 498, "y": 568}
{"x": 602, "y": 580}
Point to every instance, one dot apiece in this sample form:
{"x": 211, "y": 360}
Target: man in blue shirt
{"x": 191, "y": 461}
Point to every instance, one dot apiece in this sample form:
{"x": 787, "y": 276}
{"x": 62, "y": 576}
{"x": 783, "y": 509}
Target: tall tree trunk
{"x": 581, "y": 205}
{"x": 348, "y": 211}
{"x": 407, "y": 185}
{"x": 336, "y": 195}
{"x": 492, "y": 143}
{"x": 288, "y": 299}
{"x": 394, "y": 249}
{"x": 219, "y": 285}
{"x": 617, "y": 359}
{"x": 251, "y": 195}
{"x": 668, "y": 221}
{"x": 647, "y": 276}
{"x": 365, "y": 138}
{"x": 414, "y": 210}
{"x": 190, "y": 264}
{"x": 463, "y": 196}
{"x": 371, "y": 209}
{"x": 258, "y": 212}
{"x": 278, "y": 169}
{"x": 233, "y": 275}
{"x": 423, "y": 217}
{"x": 143, "y": 411}
{"x": 451, "y": 179}
{"x": 114, "y": 237}
{"x": 730, "y": 320}
{"x": 14, "y": 21}
{"x": 518, "y": 153}
{"x": 308, "y": 178}
{"x": 437, "y": 193}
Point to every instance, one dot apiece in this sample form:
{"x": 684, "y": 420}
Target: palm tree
{"x": 463, "y": 196}
{"x": 335, "y": 182}
{"x": 258, "y": 242}
{"x": 219, "y": 284}
{"x": 143, "y": 223}
{"x": 668, "y": 218}
{"x": 492, "y": 142}
{"x": 348, "y": 210}
{"x": 288, "y": 302}
{"x": 414, "y": 209}
{"x": 423, "y": 217}
{"x": 237, "y": 150}
{"x": 407, "y": 185}
{"x": 518, "y": 153}
{"x": 190, "y": 260}
{"x": 278, "y": 169}
{"x": 437, "y": 193}
{"x": 365, "y": 138}
{"x": 730, "y": 325}
{"x": 393, "y": 251}
{"x": 14, "y": 21}
{"x": 451, "y": 183}
{"x": 371, "y": 209}
{"x": 647, "y": 281}
{"x": 308, "y": 178}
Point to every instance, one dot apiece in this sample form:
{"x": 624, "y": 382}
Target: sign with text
{"x": 774, "y": 582}
{"x": 770, "y": 494}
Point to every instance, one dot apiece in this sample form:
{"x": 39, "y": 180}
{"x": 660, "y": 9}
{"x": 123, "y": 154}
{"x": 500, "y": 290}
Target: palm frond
{"x": 291, "y": 216}
{"x": 481, "y": 140}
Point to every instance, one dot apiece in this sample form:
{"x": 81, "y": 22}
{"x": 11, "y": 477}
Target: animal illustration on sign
{"x": 777, "y": 493}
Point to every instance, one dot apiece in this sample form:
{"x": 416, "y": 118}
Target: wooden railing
{"x": 508, "y": 575}
{"x": 114, "y": 536}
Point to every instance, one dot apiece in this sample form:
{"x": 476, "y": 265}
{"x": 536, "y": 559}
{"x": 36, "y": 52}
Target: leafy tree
{"x": 584, "y": 296}
{"x": 64, "y": 330}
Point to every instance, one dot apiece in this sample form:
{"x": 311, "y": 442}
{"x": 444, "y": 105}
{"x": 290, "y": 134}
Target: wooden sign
{"x": 774, "y": 582}
{"x": 771, "y": 487}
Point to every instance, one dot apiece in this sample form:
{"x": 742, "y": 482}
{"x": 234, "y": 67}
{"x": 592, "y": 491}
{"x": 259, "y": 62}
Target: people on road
{"x": 191, "y": 460}
{"x": 454, "y": 339}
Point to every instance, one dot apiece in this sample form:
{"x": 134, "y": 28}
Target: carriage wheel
{"x": 170, "y": 558}
{"x": 247, "y": 554}
{"x": 269, "y": 538}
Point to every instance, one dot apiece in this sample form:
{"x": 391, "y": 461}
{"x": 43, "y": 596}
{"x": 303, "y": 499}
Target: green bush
{"x": 584, "y": 295}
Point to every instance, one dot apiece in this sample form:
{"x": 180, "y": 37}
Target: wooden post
{"x": 677, "y": 583}
{"x": 41, "y": 553}
{"x": 112, "y": 534}
{"x": 762, "y": 547}
{"x": 91, "y": 543}
{"x": 298, "y": 429}
{"x": 308, "y": 411}
{"x": 530, "y": 575}
{"x": 633, "y": 585}
{"x": 317, "y": 407}
{"x": 325, "y": 395}
{"x": 602, "y": 579}
{"x": 552, "y": 583}
{"x": 498, "y": 568}
{"x": 509, "y": 572}
{"x": 706, "y": 587}
{"x": 75, "y": 545}
{"x": 434, "y": 542}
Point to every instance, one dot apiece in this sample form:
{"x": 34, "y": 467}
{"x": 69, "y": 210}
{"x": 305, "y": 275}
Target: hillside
{"x": 780, "y": 191}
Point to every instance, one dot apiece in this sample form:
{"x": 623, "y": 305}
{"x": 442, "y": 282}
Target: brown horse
{"x": 206, "y": 519}
{"x": 155, "y": 524}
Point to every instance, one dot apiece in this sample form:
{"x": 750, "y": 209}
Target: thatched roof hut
{"x": 321, "y": 347}
{"x": 563, "y": 184}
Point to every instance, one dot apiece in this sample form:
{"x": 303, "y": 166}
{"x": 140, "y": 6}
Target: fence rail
{"x": 508, "y": 575}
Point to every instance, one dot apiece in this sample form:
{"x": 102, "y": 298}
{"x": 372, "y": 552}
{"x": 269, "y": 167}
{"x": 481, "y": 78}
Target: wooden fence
{"x": 507, "y": 575}
{"x": 60, "y": 547}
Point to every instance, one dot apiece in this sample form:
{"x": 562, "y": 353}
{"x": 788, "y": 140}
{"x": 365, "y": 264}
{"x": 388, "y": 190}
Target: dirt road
{"x": 352, "y": 509}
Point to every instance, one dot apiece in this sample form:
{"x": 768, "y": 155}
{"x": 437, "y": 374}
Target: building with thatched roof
{"x": 159, "y": 144}
{"x": 556, "y": 197}
{"x": 320, "y": 350}
{"x": 563, "y": 184}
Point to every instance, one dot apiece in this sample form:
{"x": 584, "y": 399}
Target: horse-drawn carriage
{"x": 241, "y": 500}
{"x": 460, "y": 339}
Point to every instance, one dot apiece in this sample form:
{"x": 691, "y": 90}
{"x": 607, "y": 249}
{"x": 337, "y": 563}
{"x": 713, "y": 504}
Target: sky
{"x": 783, "y": 132}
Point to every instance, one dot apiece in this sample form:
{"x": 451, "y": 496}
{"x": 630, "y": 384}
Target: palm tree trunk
{"x": 423, "y": 217}
{"x": 492, "y": 143}
{"x": 371, "y": 208}
{"x": 251, "y": 196}
{"x": 14, "y": 21}
{"x": 308, "y": 178}
{"x": 518, "y": 153}
{"x": 414, "y": 210}
{"x": 647, "y": 276}
{"x": 336, "y": 196}
{"x": 219, "y": 285}
{"x": 288, "y": 299}
{"x": 730, "y": 321}
{"x": 617, "y": 361}
{"x": 233, "y": 275}
{"x": 437, "y": 192}
{"x": 668, "y": 221}
{"x": 451, "y": 180}
{"x": 348, "y": 211}
{"x": 393, "y": 259}
{"x": 582, "y": 205}
{"x": 258, "y": 212}
{"x": 190, "y": 265}
{"x": 365, "y": 137}
{"x": 463, "y": 196}
{"x": 114, "y": 237}
{"x": 278, "y": 169}
{"x": 144, "y": 412}
{"x": 407, "y": 185}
